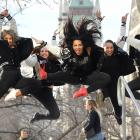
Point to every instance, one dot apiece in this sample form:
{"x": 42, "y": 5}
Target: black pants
{"x": 43, "y": 94}
{"x": 111, "y": 91}
{"x": 95, "y": 80}
{"x": 134, "y": 86}
{"x": 8, "y": 78}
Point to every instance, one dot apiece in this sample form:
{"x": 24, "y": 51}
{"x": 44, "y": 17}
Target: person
{"x": 13, "y": 51}
{"x": 120, "y": 43}
{"x": 84, "y": 53}
{"x": 113, "y": 62}
{"x": 45, "y": 62}
{"x": 24, "y": 134}
{"x": 134, "y": 45}
{"x": 92, "y": 125}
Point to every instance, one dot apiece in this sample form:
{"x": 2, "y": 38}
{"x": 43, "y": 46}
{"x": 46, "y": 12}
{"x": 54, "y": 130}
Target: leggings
{"x": 111, "y": 91}
{"x": 8, "y": 78}
{"x": 95, "y": 80}
{"x": 42, "y": 94}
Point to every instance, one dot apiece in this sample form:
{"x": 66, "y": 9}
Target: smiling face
{"x": 44, "y": 53}
{"x": 78, "y": 47}
{"x": 9, "y": 39}
{"x": 108, "y": 48}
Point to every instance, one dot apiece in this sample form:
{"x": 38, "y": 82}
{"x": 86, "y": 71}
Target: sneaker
{"x": 11, "y": 95}
{"x": 81, "y": 92}
{"x": 37, "y": 116}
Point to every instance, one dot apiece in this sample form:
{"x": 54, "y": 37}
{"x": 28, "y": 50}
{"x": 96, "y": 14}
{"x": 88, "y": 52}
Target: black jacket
{"x": 93, "y": 121}
{"x": 11, "y": 58}
{"x": 51, "y": 66}
{"x": 119, "y": 64}
{"x": 85, "y": 64}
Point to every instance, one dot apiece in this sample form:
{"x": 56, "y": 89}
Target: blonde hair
{"x": 93, "y": 104}
{"x": 10, "y": 32}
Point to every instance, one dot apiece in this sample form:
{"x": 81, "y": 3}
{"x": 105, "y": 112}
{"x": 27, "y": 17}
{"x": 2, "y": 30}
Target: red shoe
{"x": 43, "y": 74}
{"x": 81, "y": 92}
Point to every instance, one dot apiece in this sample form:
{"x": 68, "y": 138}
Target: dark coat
{"x": 93, "y": 121}
{"x": 119, "y": 64}
{"x": 51, "y": 66}
{"x": 85, "y": 64}
{"x": 12, "y": 57}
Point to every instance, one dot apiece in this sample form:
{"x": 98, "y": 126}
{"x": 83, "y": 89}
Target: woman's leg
{"x": 47, "y": 99}
{"x": 64, "y": 77}
{"x": 96, "y": 80}
{"x": 24, "y": 86}
{"x": 8, "y": 79}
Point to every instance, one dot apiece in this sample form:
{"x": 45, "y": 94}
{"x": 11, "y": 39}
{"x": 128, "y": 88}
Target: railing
{"x": 122, "y": 86}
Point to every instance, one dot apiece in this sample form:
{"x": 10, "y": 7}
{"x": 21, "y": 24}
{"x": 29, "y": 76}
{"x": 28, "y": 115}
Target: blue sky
{"x": 40, "y": 21}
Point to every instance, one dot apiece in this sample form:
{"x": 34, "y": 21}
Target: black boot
{"x": 38, "y": 117}
{"x": 119, "y": 119}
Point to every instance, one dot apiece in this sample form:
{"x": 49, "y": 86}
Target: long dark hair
{"x": 83, "y": 30}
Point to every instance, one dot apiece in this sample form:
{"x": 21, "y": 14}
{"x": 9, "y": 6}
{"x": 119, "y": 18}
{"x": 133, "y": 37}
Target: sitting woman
{"x": 92, "y": 126}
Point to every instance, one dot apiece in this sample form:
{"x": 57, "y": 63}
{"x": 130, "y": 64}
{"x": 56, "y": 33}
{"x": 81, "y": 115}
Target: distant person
{"x": 92, "y": 126}
{"x": 25, "y": 134}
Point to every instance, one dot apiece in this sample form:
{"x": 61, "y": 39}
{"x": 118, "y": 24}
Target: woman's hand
{"x": 5, "y": 13}
{"x": 98, "y": 15}
{"x": 37, "y": 41}
{"x": 124, "y": 18}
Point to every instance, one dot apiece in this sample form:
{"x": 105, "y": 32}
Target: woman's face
{"x": 44, "y": 53}
{"x": 9, "y": 38}
{"x": 108, "y": 49}
{"x": 24, "y": 134}
{"x": 78, "y": 47}
{"x": 87, "y": 106}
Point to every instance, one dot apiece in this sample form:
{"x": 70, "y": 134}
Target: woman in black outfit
{"x": 80, "y": 67}
{"x": 115, "y": 62}
{"x": 46, "y": 62}
{"x": 11, "y": 55}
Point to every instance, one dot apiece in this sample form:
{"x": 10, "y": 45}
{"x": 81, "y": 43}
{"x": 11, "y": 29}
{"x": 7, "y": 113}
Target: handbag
{"x": 90, "y": 133}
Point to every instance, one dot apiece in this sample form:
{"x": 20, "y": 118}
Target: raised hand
{"x": 98, "y": 15}
{"x": 124, "y": 18}
{"x": 5, "y": 13}
{"x": 37, "y": 41}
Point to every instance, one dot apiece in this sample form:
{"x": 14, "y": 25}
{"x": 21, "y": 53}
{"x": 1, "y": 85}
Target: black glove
{"x": 124, "y": 38}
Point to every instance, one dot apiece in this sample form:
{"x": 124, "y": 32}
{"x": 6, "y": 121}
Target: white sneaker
{"x": 11, "y": 95}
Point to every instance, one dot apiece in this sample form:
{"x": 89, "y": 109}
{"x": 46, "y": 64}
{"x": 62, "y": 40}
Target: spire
{"x": 60, "y": 11}
{"x": 138, "y": 5}
{"x": 96, "y": 7}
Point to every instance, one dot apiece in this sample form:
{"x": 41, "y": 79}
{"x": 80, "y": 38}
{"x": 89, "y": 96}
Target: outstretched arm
{"x": 97, "y": 36}
{"x": 133, "y": 42}
{"x": 11, "y": 20}
{"x": 53, "y": 48}
{"x": 120, "y": 42}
